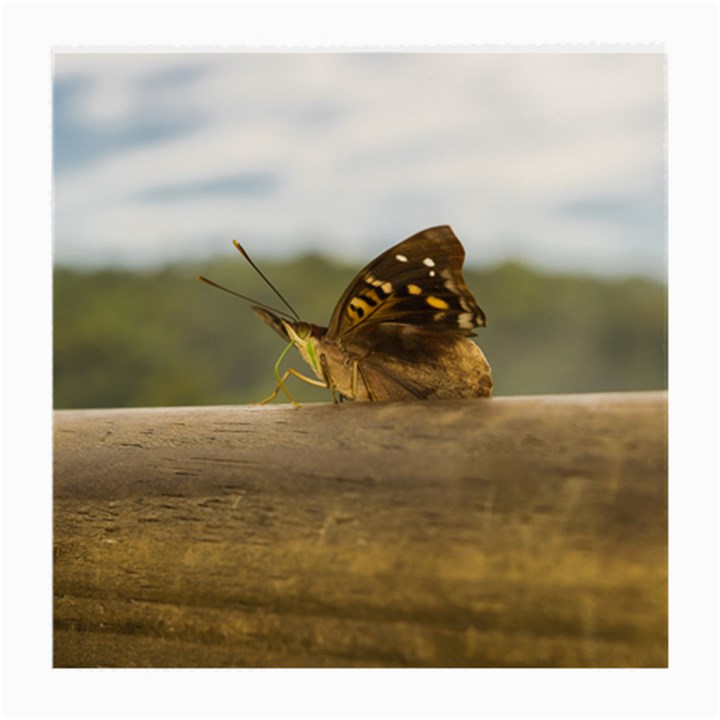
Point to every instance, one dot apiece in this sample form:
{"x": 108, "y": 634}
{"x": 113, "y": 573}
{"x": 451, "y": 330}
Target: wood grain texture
{"x": 512, "y": 532}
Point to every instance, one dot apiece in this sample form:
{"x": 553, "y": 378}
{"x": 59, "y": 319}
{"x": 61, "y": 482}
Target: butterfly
{"x": 401, "y": 330}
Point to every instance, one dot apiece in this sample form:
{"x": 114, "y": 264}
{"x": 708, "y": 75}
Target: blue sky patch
{"x": 78, "y": 143}
{"x": 235, "y": 186}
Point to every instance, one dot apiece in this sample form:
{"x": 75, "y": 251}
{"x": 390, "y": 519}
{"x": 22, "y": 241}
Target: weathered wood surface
{"x": 507, "y": 532}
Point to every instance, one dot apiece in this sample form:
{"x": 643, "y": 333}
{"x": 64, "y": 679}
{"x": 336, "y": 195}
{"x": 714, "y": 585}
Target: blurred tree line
{"x": 133, "y": 339}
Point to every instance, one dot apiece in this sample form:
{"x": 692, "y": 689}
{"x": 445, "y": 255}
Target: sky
{"x": 554, "y": 159}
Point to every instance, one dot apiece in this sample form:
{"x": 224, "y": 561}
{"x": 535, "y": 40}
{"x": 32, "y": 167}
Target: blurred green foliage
{"x": 132, "y": 339}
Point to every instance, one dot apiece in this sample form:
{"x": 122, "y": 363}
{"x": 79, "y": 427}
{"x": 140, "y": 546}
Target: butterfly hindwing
{"x": 418, "y": 364}
{"x": 417, "y": 282}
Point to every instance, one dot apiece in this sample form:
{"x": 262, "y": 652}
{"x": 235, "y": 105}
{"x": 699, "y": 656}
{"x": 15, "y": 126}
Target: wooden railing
{"x": 527, "y": 531}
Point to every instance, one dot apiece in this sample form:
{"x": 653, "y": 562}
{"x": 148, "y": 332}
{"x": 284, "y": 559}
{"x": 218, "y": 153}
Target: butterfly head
{"x": 304, "y": 335}
{"x": 296, "y": 331}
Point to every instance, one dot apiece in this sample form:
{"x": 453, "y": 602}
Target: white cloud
{"x": 366, "y": 150}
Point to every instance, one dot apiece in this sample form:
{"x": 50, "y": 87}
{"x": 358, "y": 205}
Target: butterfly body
{"x": 401, "y": 330}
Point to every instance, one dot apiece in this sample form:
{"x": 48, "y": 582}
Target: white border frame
{"x": 30, "y": 687}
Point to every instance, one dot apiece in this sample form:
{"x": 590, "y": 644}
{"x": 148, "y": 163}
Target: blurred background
{"x": 549, "y": 167}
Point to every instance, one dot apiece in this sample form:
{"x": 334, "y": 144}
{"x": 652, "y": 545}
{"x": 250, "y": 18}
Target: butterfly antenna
{"x": 202, "y": 278}
{"x": 242, "y": 250}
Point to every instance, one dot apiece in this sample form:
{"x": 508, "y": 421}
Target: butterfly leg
{"x": 281, "y": 380}
{"x": 328, "y": 379}
{"x": 357, "y": 369}
{"x": 281, "y": 386}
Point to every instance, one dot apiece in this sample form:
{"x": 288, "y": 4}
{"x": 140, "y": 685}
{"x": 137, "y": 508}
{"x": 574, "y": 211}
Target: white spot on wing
{"x": 431, "y": 273}
{"x": 401, "y": 258}
{"x": 429, "y": 262}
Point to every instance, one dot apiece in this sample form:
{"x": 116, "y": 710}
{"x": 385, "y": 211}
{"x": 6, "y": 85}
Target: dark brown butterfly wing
{"x": 409, "y": 362}
{"x": 417, "y": 282}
